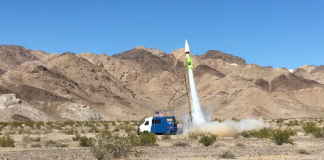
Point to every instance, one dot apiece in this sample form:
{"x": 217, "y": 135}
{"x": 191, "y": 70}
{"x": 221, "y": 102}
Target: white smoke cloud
{"x": 202, "y": 122}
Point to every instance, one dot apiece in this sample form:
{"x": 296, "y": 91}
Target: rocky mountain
{"x": 35, "y": 85}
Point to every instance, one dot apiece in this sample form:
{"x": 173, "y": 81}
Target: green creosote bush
{"x": 311, "y": 128}
{"x": 85, "y": 141}
{"x": 7, "y": 141}
{"x": 108, "y": 146}
{"x": 208, "y": 139}
{"x": 279, "y": 121}
{"x": 147, "y": 139}
{"x": 279, "y": 136}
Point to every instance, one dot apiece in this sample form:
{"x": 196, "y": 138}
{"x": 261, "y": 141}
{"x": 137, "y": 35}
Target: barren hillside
{"x": 133, "y": 84}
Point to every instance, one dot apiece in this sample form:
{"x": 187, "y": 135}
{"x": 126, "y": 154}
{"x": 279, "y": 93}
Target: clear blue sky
{"x": 277, "y": 33}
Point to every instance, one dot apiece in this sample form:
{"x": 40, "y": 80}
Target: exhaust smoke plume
{"x": 201, "y": 119}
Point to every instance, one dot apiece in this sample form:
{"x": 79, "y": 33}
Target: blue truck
{"x": 159, "y": 125}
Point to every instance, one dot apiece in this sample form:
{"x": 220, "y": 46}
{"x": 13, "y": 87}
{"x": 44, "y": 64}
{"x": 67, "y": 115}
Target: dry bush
{"x": 182, "y": 144}
{"x": 52, "y": 143}
{"x": 30, "y": 139}
{"x": 302, "y": 150}
{"x": 166, "y": 136}
{"x": 192, "y": 135}
{"x": 226, "y": 153}
{"x": 35, "y": 145}
{"x": 240, "y": 144}
{"x": 220, "y": 144}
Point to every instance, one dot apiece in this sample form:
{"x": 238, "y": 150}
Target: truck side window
{"x": 156, "y": 121}
{"x": 146, "y": 123}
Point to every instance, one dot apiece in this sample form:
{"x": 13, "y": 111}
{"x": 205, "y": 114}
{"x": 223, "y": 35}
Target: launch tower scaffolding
{"x": 186, "y": 94}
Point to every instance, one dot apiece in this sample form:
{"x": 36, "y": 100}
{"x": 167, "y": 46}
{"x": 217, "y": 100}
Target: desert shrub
{"x": 93, "y": 129}
{"x": 30, "y": 124}
{"x": 293, "y": 123}
{"x": 78, "y": 124}
{"x": 4, "y": 124}
{"x": 68, "y": 123}
{"x": 208, "y": 139}
{"x": 134, "y": 139}
{"x": 219, "y": 144}
{"x": 30, "y": 139}
{"x": 52, "y": 143}
{"x": 35, "y": 145}
{"x": 85, "y": 141}
{"x": 16, "y": 124}
{"x": 39, "y": 124}
{"x": 76, "y": 137}
{"x": 182, "y": 144}
{"x": 129, "y": 128}
{"x": 240, "y": 144}
{"x": 108, "y": 146}
{"x": 113, "y": 123}
{"x": 279, "y": 121}
{"x": 235, "y": 119}
{"x": 24, "y": 131}
{"x": 226, "y": 153}
{"x": 106, "y": 126}
{"x": 218, "y": 119}
{"x": 49, "y": 123}
{"x": 192, "y": 135}
{"x": 309, "y": 127}
{"x": 262, "y": 133}
{"x": 280, "y": 136}
{"x": 302, "y": 151}
{"x": 69, "y": 131}
{"x": 7, "y": 141}
{"x": 147, "y": 139}
{"x": 246, "y": 134}
{"x": 319, "y": 132}
{"x": 126, "y": 122}
{"x": 166, "y": 136}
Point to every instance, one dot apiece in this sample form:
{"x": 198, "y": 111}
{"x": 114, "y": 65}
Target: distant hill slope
{"x": 36, "y": 85}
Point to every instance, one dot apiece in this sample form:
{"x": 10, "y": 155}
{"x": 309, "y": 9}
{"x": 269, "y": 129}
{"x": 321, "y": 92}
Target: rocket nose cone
{"x": 187, "y": 49}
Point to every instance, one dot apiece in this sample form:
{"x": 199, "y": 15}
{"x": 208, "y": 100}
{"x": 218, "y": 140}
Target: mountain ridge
{"x": 134, "y": 83}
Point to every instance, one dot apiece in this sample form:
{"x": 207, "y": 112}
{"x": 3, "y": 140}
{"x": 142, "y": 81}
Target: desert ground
{"x": 58, "y": 141}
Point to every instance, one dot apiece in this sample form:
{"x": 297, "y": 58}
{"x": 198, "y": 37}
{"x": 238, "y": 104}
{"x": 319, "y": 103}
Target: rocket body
{"x": 189, "y": 64}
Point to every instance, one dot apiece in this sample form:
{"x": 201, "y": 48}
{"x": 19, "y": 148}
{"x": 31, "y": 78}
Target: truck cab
{"x": 159, "y": 125}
